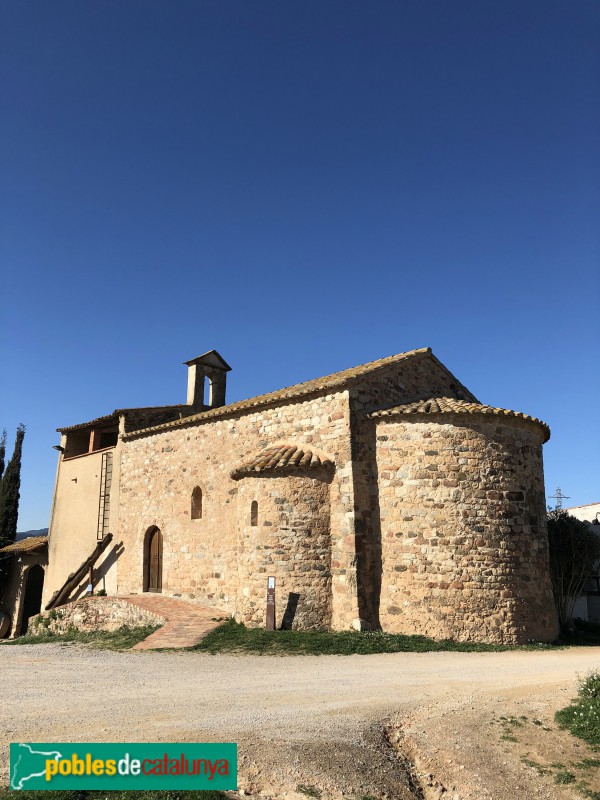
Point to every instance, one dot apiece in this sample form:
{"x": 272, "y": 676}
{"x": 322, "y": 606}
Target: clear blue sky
{"x": 304, "y": 186}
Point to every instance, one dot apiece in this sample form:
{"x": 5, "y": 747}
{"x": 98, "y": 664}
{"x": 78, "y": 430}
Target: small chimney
{"x": 209, "y": 365}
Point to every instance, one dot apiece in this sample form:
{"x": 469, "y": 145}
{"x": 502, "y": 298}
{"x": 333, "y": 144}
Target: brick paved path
{"x": 186, "y": 625}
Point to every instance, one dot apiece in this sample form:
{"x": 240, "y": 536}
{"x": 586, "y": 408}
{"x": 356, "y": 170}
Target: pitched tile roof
{"x": 449, "y": 405}
{"x": 334, "y": 381}
{"x": 31, "y": 544}
{"x": 114, "y": 417}
{"x": 283, "y": 456}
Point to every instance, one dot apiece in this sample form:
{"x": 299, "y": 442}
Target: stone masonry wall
{"x": 291, "y": 541}
{"x": 92, "y": 614}
{"x": 413, "y": 379}
{"x": 464, "y": 540}
{"x": 201, "y": 556}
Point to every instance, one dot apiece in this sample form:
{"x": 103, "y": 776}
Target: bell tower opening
{"x": 209, "y": 366}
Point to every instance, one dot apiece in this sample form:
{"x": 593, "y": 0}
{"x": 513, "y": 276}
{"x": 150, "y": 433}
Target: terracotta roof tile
{"x": 114, "y": 417}
{"x": 334, "y": 381}
{"x": 282, "y": 456}
{"x": 450, "y": 405}
{"x": 29, "y": 545}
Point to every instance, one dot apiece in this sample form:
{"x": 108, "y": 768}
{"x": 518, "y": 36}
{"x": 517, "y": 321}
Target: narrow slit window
{"x": 254, "y": 513}
{"x": 197, "y": 503}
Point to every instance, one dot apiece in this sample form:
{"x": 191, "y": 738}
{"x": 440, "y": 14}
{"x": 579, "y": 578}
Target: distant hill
{"x": 25, "y": 534}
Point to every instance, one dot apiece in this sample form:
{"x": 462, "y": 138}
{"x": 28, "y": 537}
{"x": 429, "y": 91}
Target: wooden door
{"x": 155, "y": 561}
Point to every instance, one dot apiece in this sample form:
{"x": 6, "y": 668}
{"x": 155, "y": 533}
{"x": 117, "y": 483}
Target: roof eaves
{"x": 117, "y": 412}
{"x": 435, "y": 406}
{"x": 282, "y": 457}
{"x": 80, "y": 425}
{"x": 30, "y": 544}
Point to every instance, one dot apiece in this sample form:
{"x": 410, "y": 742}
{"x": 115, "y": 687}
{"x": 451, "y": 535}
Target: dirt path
{"x": 341, "y": 724}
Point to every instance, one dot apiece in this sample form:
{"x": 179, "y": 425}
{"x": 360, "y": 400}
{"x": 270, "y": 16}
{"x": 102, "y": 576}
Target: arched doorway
{"x": 32, "y": 601}
{"x": 153, "y": 561}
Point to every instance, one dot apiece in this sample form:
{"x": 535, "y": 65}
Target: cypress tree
{"x": 9, "y": 492}
{"x": 2, "y": 452}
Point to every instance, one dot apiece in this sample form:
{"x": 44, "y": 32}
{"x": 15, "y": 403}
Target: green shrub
{"x": 564, "y": 777}
{"x": 582, "y": 717}
{"x": 233, "y": 636}
{"x": 120, "y": 639}
{"x": 590, "y": 687}
{"x": 309, "y": 791}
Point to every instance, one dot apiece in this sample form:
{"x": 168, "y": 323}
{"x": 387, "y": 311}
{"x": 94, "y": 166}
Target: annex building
{"x": 383, "y": 496}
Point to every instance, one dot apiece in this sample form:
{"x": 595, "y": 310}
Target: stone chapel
{"x": 385, "y": 496}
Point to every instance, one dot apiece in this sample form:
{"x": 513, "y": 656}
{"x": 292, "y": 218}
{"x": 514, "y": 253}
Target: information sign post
{"x": 271, "y": 604}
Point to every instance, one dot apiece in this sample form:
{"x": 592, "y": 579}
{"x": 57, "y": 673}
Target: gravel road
{"x": 316, "y": 721}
